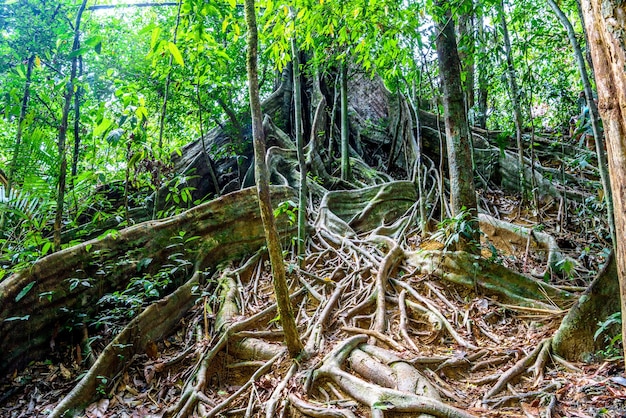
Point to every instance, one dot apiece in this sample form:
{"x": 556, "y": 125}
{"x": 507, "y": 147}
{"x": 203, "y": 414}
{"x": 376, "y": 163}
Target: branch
{"x": 128, "y": 5}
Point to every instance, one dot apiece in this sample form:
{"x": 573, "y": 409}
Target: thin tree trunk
{"x": 593, "y": 115}
{"x": 281, "y": 290}
{"x": 76, "y": 154}
{"x": 579, "y": 9}
{"x": 345, "y": 128}
{"x": 483, "y": 88}
{"x": 303, "y": 192}
{"x": 58, "y": 219}
{"x": 163, "y": 114}
{"x": 605, "y": 27}
{"x": 466, "y": 32}
{"x": 205, "y": 151}
{"x": 517, "y": 110}
{"x": 20, "y": 123}
{"x": 462, "y": 192}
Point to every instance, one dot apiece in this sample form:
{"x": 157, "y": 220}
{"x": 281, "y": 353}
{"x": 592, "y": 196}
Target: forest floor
{"x": 500, "y": 336}
{"x": 492, "y": 336}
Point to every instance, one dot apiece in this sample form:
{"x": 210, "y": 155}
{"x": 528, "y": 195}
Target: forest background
{"x": 128, "y": 142}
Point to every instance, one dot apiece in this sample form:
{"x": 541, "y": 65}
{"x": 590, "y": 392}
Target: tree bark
{"x": 574, "y": 339}
{"x": 606, "y": 25}
{"x": 466, "y": 55}
{"x": 462, "y": 192}
{"x": 281, "y": 290}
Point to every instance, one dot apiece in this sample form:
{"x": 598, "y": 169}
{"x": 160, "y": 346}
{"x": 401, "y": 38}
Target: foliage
{"x": 613, "y": 348}
{"x": 451, "y": 231}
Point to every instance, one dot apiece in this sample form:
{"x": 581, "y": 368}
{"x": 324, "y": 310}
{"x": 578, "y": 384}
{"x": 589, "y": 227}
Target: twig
{"x": 270, "y": 405}
{"x": 517, "y": 369}
{"x": 253, "y": 378}
{"x": 308, "y": 409}
{"x": 460, "y": 340}
{"x": 518, "y": 397}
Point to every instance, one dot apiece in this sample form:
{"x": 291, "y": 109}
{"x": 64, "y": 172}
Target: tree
{"x": 605, "y": 28}
{"x": 281, "y": 290}
{"x": 63, "y": 130}
{"x": 462, "y": 193}
{"x": 515, "y": 98}
{"x": 593, "y": 114}
{"x": 297, "y": 103}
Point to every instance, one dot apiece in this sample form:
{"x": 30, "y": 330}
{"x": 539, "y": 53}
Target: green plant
{"x": 451, "y": 231}
{"x": 613, "y": 349}
{"x": 289, "y": 208}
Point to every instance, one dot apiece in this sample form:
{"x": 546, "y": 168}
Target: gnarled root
{"x": 377, "y": 397}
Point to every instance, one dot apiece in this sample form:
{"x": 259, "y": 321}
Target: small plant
{"x": 453, "y": 230}
{"x": 289, "y": 208}
{"x": 102, "y": 385}
{"x": 613, "y": 349}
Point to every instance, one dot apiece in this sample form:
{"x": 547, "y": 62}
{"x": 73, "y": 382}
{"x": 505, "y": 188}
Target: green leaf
{"x": 102, "y": 127}
{"x": 79, "y": 51}
{"x": 383, "y": 405}
{"x": 24, "y": 291}
{"x": 233, "y": 3}
{"x": 171, "y": 46}
{"x": 46, "y": 247}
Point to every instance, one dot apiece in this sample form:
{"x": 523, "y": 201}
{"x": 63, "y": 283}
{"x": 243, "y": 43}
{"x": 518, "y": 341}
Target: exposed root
{"x": 376, "y": 397}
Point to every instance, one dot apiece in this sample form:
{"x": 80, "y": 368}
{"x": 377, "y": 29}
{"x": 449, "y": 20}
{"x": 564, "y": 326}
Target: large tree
{"x": 462, "y": 192}
{"x": 606, "y": 26}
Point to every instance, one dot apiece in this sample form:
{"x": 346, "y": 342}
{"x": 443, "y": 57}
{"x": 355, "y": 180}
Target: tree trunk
{"x": 462, "y": 192}
{"x": 466, "y": 33}
{"x": 63, "y": 133}
{"x": 76, "y": 154}
{"x": 345, "y": 127}
{"x": 156, "y": 180}
{"x": 593, "y": 115}
{"x": 515, "y": 100}
{"x": 483, "y": 88}
{"x": 606, "y": 26}
{"x": 281, "y": 290}
{"x": 20, "y": 124}
{"x": 575, "y": 338}
{"x": 297, "y": 104}
{"x": 10, "y": 180}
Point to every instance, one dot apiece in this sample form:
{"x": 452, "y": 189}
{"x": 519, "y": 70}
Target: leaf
{"x": 233, "y": 3}
{"x": 24, "y": 291}
{"x": 37, "y": 62}
{"x": 383, "y": 405}
{"x": 171, "y": 46}
{"x": 79, "y": 51}
{"x": 114, "y": 136}
{"x": 17, "y": 318}
{"x": 102, "y": 127}
{"x": 46, "y": 247}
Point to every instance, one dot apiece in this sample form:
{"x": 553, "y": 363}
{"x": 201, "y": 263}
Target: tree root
{"x": 374, "y": 396}
{"x": 151, "y": 325}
